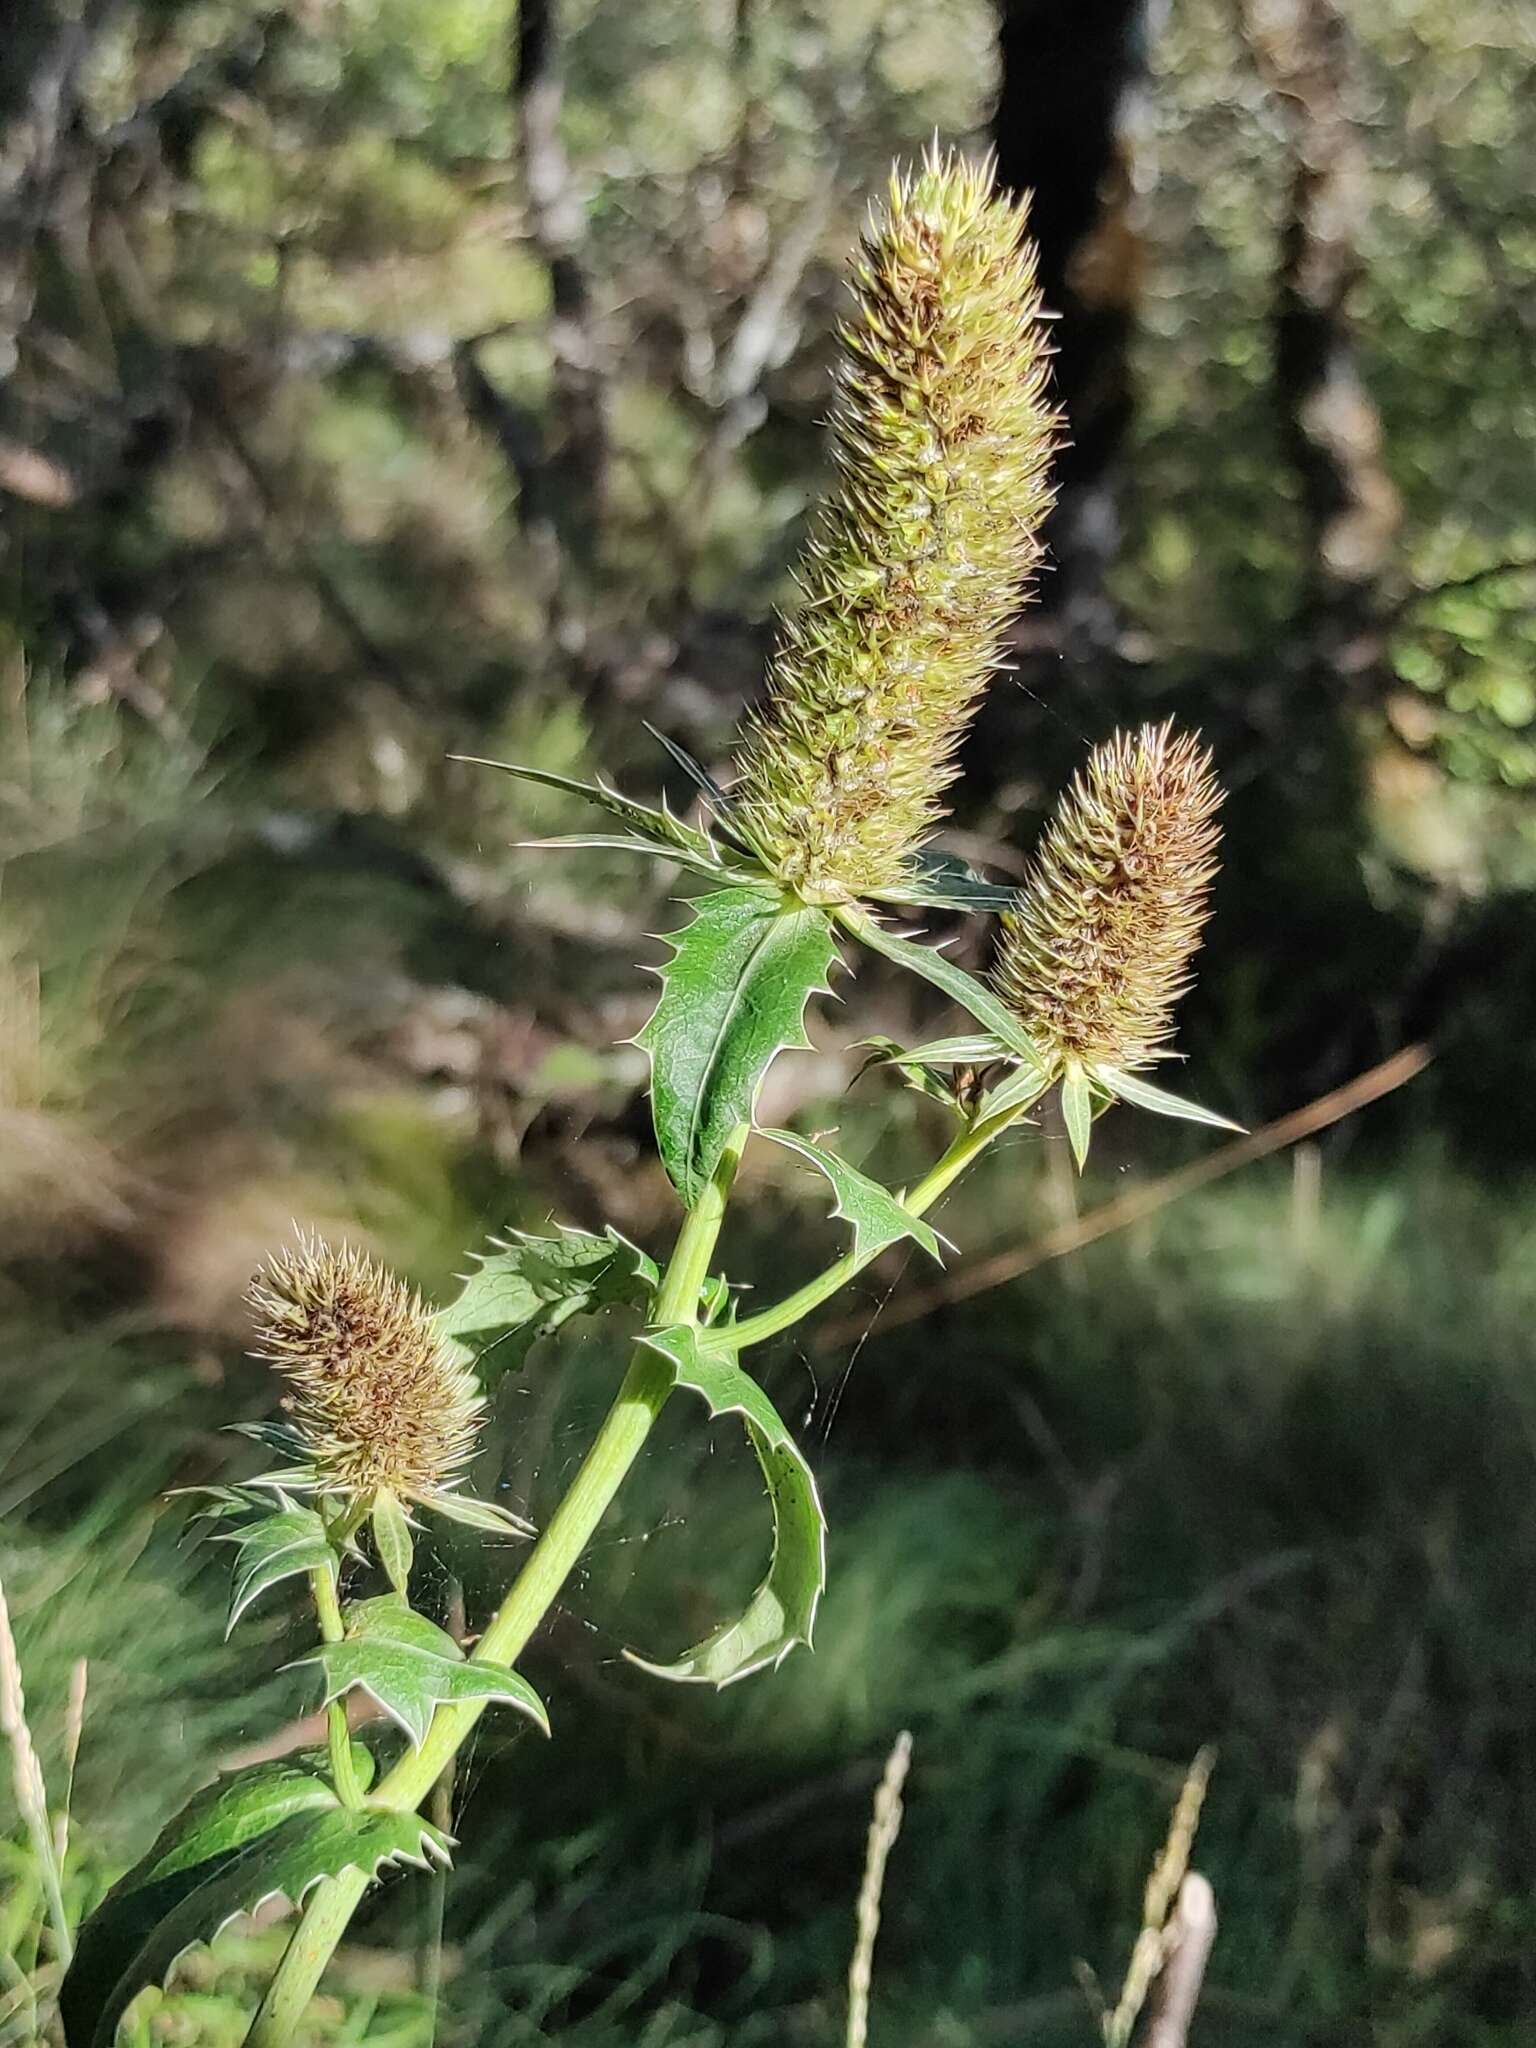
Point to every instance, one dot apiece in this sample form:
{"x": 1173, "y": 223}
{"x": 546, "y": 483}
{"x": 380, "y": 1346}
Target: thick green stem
{"x": 617, "y": 1444}
{"x": 783, "y": 1315}
{"x": 338, "y": 1734}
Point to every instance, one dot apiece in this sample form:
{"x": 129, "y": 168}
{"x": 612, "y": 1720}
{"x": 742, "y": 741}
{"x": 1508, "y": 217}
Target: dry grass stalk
{"x": 27, "y": 1781}
{"x": 884, "y": 1827}
{"x": 1158, "y": 1933}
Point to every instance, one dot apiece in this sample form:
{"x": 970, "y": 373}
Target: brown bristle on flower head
{"x": 1096, "y": 950}
{"x": 942, "y": 434}
{"x": 379, "y": 1399}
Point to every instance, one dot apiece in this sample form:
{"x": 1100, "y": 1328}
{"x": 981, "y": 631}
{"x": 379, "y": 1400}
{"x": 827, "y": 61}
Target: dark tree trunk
{"x": 1071, "y": 72}
{"x": 41, "y": 54}
{"x": 578, "y": 455}
{"x": 1331, "y": 427}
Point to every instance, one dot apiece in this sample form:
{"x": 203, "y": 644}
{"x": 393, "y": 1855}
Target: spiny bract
{"x": 1096, "y": 950}
{"x": 942, "y": 434}
{"x": 376, "y": 1394}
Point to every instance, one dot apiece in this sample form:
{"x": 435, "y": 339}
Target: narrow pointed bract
{"x": 376, "y": 1393}
{"x": 942, "y": 436}
{"x": 1096, "y": 951}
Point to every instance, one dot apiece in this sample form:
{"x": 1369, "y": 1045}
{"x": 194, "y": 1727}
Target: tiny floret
{"x": 1096, "y": 951}
{"x": 942, "y": 435}
{"x": 380, "y": 1401}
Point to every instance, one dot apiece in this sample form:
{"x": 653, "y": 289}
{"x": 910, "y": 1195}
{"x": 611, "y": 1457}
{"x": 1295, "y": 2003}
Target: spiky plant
{"x": 375, "y": 1393}
{"x": 942, "y": 435}
{"x": 1097, "y": 949}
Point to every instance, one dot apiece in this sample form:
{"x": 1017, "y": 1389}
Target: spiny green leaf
{"x": 410, "y": 1667}
{"x": 392, "y": 1540}
{"x": 782, "y": 1612}
{"x": 877, "y": 1218}
{"x": 1131, "y": 1088}
{"x": 525, "y": 1287}
{"x": 206, "y": 1835}
{"x": 662, "y": 831}
{"x": 733, "y": 996}
{"x": 965, "y": 989}
{"x": 1077, "y": 1112}
{"x": 286, "y": 1861}
{"x": 282, "y": 1543}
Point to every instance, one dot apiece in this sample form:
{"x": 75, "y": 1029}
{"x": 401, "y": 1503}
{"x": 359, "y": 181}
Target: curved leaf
{"x": 410, "y": 1667}
{"x": 876, "y": 1217}
{"x": 525, "y": 1287}
{"x": 782, "y": 1612}
{"x": 733, "y": 995}
{"x": 287, "y": 1862}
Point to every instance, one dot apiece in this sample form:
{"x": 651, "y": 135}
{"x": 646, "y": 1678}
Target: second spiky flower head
{"x": 1096, "y": 951}
{"x": 942, "y": 437}
{"x": 376, "y": 1397}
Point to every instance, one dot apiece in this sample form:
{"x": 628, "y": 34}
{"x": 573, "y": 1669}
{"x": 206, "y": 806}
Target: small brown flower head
{"x": 1096, "y": 950}
{"x": 379, "y": 1399}
{"x": 942, "y": 435}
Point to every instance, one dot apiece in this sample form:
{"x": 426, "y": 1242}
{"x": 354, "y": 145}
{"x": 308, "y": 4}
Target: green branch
{"x": 783, "y": 1315}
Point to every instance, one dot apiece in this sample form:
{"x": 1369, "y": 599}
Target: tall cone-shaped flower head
{"x": 380, "y": 1401}
{"x": 1097, "y": 949}
{"x": 942, "y": 435}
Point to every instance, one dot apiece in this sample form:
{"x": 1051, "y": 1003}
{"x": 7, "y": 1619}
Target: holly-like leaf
{"x": 279, "y": 1543}
{"x": 942, "y": 881}
{"x": 1131, "y": 1088}
{"x": 1077, "y": 1112}
{"x": 284, "y": 1861}
{"x": 963, "y": 988}
{"x": 525, "y": 1287}
{"x": 782, "y": 1612}
{"x": 410, "y": 1667}
{"x": 205, "y": 1836}
{"x": 876, "y": 1217}
{"x": 647, "y": 829}
{"x": 733, "y": 996}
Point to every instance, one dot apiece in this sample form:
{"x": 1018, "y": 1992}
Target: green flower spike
{"x": 942, "y": 436}
{"x": 1096, "y": 951}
